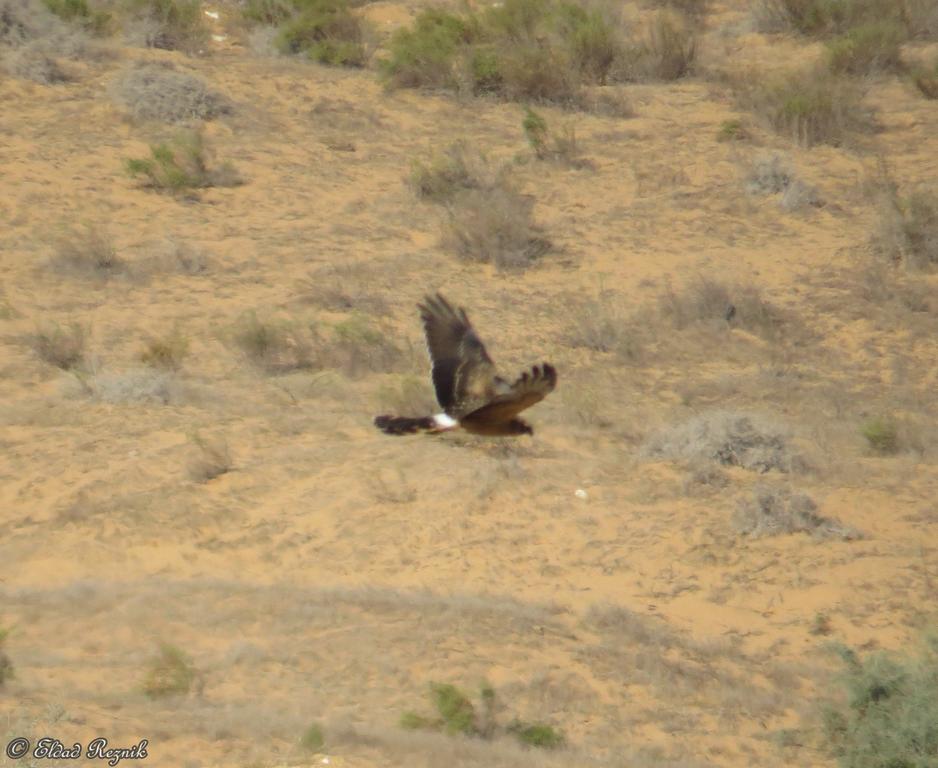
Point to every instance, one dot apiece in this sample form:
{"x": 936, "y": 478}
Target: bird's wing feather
{"x": 463, "y": 373}
{"x": 528, "y": 389}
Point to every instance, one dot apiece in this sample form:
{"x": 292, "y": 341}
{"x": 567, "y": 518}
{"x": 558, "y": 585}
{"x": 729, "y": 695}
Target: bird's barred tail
{"x": 403, "y": 425}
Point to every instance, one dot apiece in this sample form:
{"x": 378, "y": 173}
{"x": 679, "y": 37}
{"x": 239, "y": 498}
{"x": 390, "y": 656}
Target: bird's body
{"x": 473, "y": 396}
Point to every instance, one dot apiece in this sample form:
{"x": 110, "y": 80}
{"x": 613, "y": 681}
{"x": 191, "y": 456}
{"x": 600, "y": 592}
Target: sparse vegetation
{"x": 313, "y": 739}
{"x": 63, "y": 347}
{"x": 774, "y": 512}
{"x": 86, "y": 250}
{"x": 325, "y": 31}
{"x": 769, "y": 175}
{"x": 821, "y": 624}
{"x": 925, "y": 78}
{"x": 456, "y": 715}
{"x": 870, "y": 47}
{"x": 169, "y": 673}
{"x": 212, "y": 458}
{"x": 602, "y": 325}
{"x": 495, "y": 226}
{"x": 732, "y": 130}
{"x": 561, "y": 148}
{"x": 167, "y": 352}
{"x": 162, "y": 92}
{"x": 95, "y": 20}
{"x": 813, "y": 106}
{"x": 882, "y": 435}
{"x": 825, "y": 17}
{"x": 447, "y": 173}
{"x": 173, "y": 25}
{"x": 887, "y": 710}
{"x": 32, "y": 62}
{"x": 181, "y": 165}
{"x": 274, "y": 346}
{"x": 6, "y": 666}
{"x": 522, "y": 50}
{"x": 668, "y": 51}
{"x": 907, "y": 230}
{"x": 728, "y": 438}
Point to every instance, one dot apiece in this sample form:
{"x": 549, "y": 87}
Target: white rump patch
{"x": 442, "y": 421}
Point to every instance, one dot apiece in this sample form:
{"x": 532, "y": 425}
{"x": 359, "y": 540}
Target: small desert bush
{"x": 211, "y": 458}
{"x": 882, "y": 435}
{"x": 562, "y": 148}
{"x": 457, "y": 715}
{"x": 926, "y": 79}
{"x": 536, "y": 735}
{"x": 774, "y": 512}
{"x": 813, "y": 106}
{"x": 162, "y": 92}
{"x": 871, "y": 47}
{"x": 494, "y": 226}
{"x": 887, "y": 710}
{"x": 94, "y": 20}
{"x": 33, "y": 62}
{"x": 63, "y": 347}
{"x": 824, "y": 17}
{"x": 719, "y": 305}
{"x": 325, "y": 31}
{"x": 313, "y": 739}
{"x": 86, "y": 250}
{"x": 6, "y": 666}
{"x": 169, "y": 673}
{"x": 358, "y": 346}
{"x": 520, "y": 50}
{"x": 769, "y": 174}
{"x": 729, "y": 438}
{"x": 181, "y": 164}
{"x": 907, "y": 231}
{"x": 273, "y": 346}
{"x": 166, "y": 352}
{"x": 668, "y": 50}
{"x": 603, "y": 325}
{"x": 447, "y": 173}
{"x": 732, "y": 130}
{"x": 174, "y": 25}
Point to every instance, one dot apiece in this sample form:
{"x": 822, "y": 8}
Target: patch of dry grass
{"x": 210, "y": 458}
{"x": 181, "y": 165}
{"x": 668, "y": 51}
{"x": 63, "y": 347}
{"x": 495, "y": 226}
{"x": 170, "y": 673}
{"x": 32, "y": 62}
{"x": 906, "y": 232}
{"x": 810, "y": 106}
{"x": 167, "y": 352}
{"x": 86, "y": 250}
{"x": 275, "y": 347}
{"x": 448, "y": 172}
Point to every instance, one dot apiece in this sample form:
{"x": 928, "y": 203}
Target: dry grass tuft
{"x": 159, "y": 91}
{"x": 455, "y": 169}
{"x": 275, "y": 347}
{"x": 668, "y": 51}
{"x": 170, "y": 673}
{"x": 495, "y": 226}
{"x": 774, "y": 512}
{"x": 212, "y": 458}
{"x": 560, "y": 147}
{"x": 62, "y": 347}
{"x": 603, "y": 325}
{"x": 87, "y": 250}
{"x": 33, "y": 62}
{"x": 166, "y": 352}
{"x": 907, "y": 228}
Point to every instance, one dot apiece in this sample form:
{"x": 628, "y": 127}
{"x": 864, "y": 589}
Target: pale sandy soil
{"x": 335, "y": 572}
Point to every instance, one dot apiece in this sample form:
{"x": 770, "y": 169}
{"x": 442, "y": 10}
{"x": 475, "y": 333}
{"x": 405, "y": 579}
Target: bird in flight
{"x": 467, "y": 386}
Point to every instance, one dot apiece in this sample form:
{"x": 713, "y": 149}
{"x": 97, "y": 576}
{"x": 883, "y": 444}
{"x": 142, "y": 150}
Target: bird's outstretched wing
{"x": 463, "y": 373}
{"x": 528, "y": 389}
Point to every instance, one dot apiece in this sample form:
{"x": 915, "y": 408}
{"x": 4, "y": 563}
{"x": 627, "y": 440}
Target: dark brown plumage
{"x": 467, "y": 386}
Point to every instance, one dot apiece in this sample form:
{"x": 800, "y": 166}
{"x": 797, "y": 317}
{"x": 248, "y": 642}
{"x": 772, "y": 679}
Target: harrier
{"x": 467, "y": 387}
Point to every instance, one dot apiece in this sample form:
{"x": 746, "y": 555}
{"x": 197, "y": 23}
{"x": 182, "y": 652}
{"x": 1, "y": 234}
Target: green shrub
{"x": 812, "y": 106}
{"x": 94, "y": 20}
{"x": 424, "y": 55}
{"x": 181, "y": 164}
{"x": 882, "y": 435}
{"x": 313, "y": 739}
{"x": 825, "y": 17}
{"x": 170, "y": 673}
{"x": 326, "y": 31}
{"x": 669, "y": 50}
{"x": 172, "y": 24}
{"x": 268, "y": 11}
{"x": 562, "y": 147}
{"x": 732, "y": 130}
{"x": 870, "y": 47}
{"x": 537, "y": 735}
{"x": 887, "y": 716}
{"x": 454, "y": 708}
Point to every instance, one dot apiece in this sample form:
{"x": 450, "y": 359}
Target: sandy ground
{"x": 335, "y": 572}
